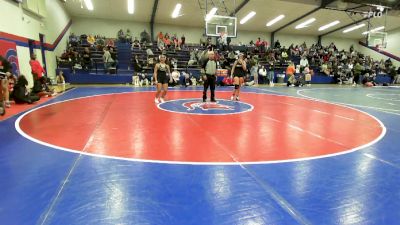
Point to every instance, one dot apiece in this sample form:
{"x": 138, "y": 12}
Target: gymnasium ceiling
{"x": 193, "y": 12}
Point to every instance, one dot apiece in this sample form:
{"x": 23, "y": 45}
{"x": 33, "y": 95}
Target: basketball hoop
{"x": 377, "y": 40}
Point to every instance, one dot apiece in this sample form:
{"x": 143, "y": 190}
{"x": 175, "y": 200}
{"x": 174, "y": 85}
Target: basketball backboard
{"x": 377, "y": 39}
{"x": 221, "y": 24}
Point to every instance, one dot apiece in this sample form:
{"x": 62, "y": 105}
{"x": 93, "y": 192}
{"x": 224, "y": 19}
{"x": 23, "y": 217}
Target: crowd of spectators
{"x": 265, "y": 59}
{"x": 346, "y": 66}
{"x": 167, "y": 42}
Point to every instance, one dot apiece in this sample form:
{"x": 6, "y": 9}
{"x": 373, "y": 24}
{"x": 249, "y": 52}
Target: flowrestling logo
{"x": 198, "y": 107}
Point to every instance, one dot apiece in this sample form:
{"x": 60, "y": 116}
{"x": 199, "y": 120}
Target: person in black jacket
{"x": 210, "y": 70}
{"x": 21, "y": 94}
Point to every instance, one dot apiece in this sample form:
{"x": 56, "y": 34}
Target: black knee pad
{"x": 236, "y": 86}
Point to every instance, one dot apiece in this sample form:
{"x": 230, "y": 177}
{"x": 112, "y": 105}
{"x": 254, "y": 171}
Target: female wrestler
{"x": 161, "y": 78}
{"x": 238, "y": 73}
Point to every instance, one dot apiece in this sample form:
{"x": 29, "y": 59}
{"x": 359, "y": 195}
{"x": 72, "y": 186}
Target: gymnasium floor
{"x": 110, "y": 155}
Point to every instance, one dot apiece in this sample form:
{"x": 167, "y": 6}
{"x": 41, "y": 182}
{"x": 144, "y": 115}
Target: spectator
{"x": 36, "y": 68}
{"x": 209, "y": 42}
{"x": 392, "y": 74}
{"x": 136, "y": 44}
{"x": 91, "y": 40}
{"x": 110, "y": 43}
{"x": 307, "y": 75}
{"x": 224, "y": 64}
{"x": 174, "y": 63}
{"x": 151, "y": 61}
{"x": 121, "y": 36}
{"x": 388, "y": 65}
{"x": 73, "y": 40}
{"x": 86, "y": 58}
{"x": 193, "y": 57}
{"x": 228, "y": 42}
{"x": 2, "y": 105}
{"x": 167, "y": 42}
{"x": 263, "y": 74}
{"x": 161, "y": 45}
{"x": 160, "y": 37}
{"x": 41, "y": 89}
{"x": 396, "y": 79}
{"x": 271, "y": 73}
{"x": 175, "y": 75}
{"x": 5, "y": 65}
{"x": 84, "y": 40}
{"x": 285, "y": 56}
{"x": 358, "y": 68}
{"x": 100, "y": 42}
{"x": 21, "y": 93}
{"x": 137, "y": 65}
{"x": 290, "y": 74}
{"x": 60, "y": 77}
{"x": 176, "y": 42}
{"x": 277, "y": 44}
{"x": 224, "y": 41}
{"x": 114, "y": 57}
{"x": 259, "y": 42}
{"x": 107, "y": 59}
{"x": 231, "y": 57}
{"x": 144, "y": 37}
{"x": 128, "y": 35}
{"x": 303, "y": 63}
{"x": 324, "y": 69}
{"x": 7, "y": 86}
{"x": 137, "y": 69}
{"x": 149, "y": 52}
{"x": 186, "y": 79}
{"x": 254, "y": 69}
{"x": 183, "y": 41}
{"x": 203, "y": 40}
{"x": 297, "y": 69}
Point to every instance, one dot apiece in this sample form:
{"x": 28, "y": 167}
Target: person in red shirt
{"x": 259, "y": 42}
{"x": 167, "y": 42}
{"x": 37, "y": 69}
{"x": 160, "y": 36}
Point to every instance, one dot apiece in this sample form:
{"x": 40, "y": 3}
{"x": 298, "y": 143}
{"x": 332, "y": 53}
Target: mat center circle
{"x": 198, "y": 107}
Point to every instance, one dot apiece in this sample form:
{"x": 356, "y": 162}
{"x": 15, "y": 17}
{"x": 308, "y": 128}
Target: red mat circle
{"x": 130, "y": 126}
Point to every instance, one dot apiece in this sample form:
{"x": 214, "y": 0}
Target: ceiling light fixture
{"x": 211, "y": 14}
{"x": 89, "y": 5}
{"x": 334, "y": 23}
{"x": 247, "y": 17}
{"x": 304, "y": 24}
{"x": 177, "y": 10}
{"x": 354, "y": 28}
{"x": 374, "y": 30}
{"x": 272, "y": 22}
{"x": 131, "y": 7}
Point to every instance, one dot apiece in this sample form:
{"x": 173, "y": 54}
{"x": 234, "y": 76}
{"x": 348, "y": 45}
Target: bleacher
{"x": 125, "y": 55}
{"x": 97, "y": 75}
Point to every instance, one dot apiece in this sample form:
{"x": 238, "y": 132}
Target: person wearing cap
{"x": 238, "y": 73}
{"x": 210, "y": 66}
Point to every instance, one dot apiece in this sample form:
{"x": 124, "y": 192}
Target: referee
{"x": 210, "y": 69}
